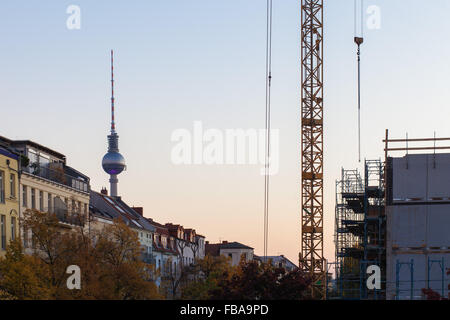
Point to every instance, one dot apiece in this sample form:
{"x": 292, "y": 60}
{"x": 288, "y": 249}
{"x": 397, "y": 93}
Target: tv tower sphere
{"x": 113, "y": 163}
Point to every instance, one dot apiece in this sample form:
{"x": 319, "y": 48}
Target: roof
{"x": 75, "y": 173}
{"x": 113, "y": 207}
{"x": 214, "y": 248}
{"x": 234, "y": 245}
{"x": 162, "y": 230}
{"x": 8, "y": 153}
{"x": 277, "y": 259}
{"x": 157, "y": 225}
{"x": 15, "y": 143}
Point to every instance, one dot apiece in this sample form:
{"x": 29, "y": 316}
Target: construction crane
{"x": 311, "y": 256}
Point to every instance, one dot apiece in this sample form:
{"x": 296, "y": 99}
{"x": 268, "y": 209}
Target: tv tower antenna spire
{"x": 113, "y": 125}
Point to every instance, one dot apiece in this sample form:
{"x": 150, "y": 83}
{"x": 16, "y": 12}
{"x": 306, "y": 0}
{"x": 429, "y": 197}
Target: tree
{"x": 251, "y": 280}
{"x": 22, "y": 277}
{"x": 262, "y": 281}
{"x": 109, "y": 261}
{"x": 209, "y": 271}
{"x": 126, "y": 276}
{"x": 172, "y": 281}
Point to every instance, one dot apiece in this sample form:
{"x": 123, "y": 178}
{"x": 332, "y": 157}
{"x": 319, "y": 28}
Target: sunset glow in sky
{"x": 178, "y": 61}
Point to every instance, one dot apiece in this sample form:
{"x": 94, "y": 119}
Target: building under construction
{"x": 360, "y": 230}
{"x": 395, "y": 216}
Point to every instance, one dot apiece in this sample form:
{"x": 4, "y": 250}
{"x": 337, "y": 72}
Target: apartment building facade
{"x": 48, "y": 184}
{"x": 9, "y": 198}
{"x": 189, "y": 244}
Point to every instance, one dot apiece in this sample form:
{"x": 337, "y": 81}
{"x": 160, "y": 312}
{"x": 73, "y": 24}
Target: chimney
{"x": 139, "y": 210}
{"x": 104, "y": 191}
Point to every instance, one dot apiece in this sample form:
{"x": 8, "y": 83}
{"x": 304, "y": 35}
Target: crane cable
{"x": 268, "y": 125}
{"x": 359, "y": 38}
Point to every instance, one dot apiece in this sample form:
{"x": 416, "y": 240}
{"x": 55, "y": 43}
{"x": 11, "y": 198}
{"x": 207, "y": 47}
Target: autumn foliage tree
{"x": 210, "y": 272}
{"x": 248, "y": 281}
{"x": 109, "y": 261}
{"x": 23, "y": 276}
{"x": 262, "y": 281}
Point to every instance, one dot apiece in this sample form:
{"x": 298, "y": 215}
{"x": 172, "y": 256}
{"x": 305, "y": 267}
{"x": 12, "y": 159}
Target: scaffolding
{"x": 410, "y": 287}
{"x": 349, "y": 234}
{"x": 360, "y": 235}
{"x": 410, "y": 270}
{"x": 374, "y": 227}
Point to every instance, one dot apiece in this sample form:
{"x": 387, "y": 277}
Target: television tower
{"x": 113, "y": 162}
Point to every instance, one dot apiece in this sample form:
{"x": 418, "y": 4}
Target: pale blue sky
{"x": 178, "y": 61}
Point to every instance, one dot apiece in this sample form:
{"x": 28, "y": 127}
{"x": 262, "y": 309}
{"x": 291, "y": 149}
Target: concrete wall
{"x": 418, "y": 225}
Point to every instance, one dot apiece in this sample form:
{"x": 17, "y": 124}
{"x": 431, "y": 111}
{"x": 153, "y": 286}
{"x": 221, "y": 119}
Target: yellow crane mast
{"x": 311, "y": 257}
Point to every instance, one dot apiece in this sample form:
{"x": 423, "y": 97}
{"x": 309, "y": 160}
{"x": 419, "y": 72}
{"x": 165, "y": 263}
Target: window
{"x": 12, "y": 185}
{"x": 85, "y": 208}
{"x": 33, "y": 198}
{"x": 3, "y": 231}
{"x": 13, "y": 228}
{"x": 25, "y": 237}
{"x": 24, "y": 196}
{"x": 49, "y": 202}
{"x": 41, "y": 200}
{"x": 2, "y": 187}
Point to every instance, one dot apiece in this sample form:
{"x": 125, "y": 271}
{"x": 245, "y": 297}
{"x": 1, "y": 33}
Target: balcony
{"x": 148, "y": 258}
{"x": 67, "y": 217}
{"x": 57, "y": 173}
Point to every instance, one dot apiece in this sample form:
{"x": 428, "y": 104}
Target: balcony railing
{"x": 148, "y": 258}
{"x": 68, "y": 217}
{"x": 57, "y": 175}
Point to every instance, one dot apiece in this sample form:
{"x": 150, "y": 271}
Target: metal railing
{"x": 58, "y": 176}
{"x": 148, "y": 258}
{"x": 66, "y": 216}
